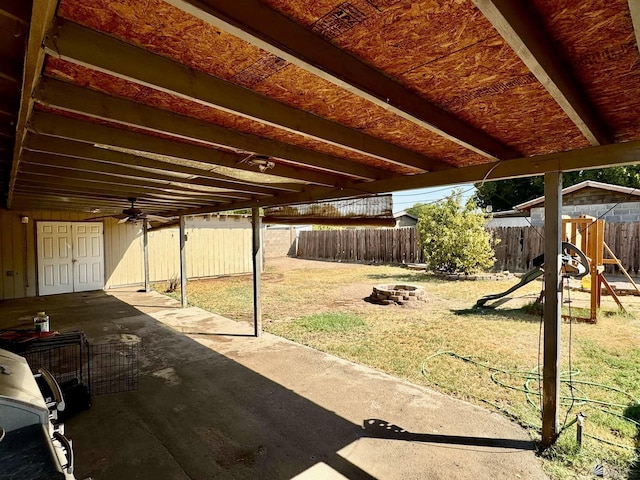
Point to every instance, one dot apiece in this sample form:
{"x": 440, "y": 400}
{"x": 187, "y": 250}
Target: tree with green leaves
{"x": 453, "y": 237}
{"x": 505, "y": 194}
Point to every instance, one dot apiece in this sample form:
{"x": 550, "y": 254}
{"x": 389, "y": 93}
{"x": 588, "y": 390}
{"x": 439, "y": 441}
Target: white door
{"x": 70, "y": 257}
{"x": 88, "y": 256}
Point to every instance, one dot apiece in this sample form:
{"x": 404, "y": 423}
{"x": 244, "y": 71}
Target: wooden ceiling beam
{"x": 47, "y": 159}
{"x": 16, "y": 10}
{"x": 107, "y": 54}
{"x": 70, "y": 148}
{"x": 41, "y": 16}
{"x": 84, "y": 131}
{"x": 72, "y": 98}
{"x": 260, "y": 25}
{"x": 593, "y": 157}
{"x": 51, "y": 199}
{"x": 44, "y": 187}
{"x": 116, "y": 199}
{"x": 10, "y": 73}
{"x": 634, "y": 9}
{"x": 519, "y": 25}
{"x": 7, "y": 109}
{"x": 70, "y": 177}
{"x": 7, "y": 131}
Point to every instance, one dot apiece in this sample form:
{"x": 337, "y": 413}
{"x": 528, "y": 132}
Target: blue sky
{"x": 407, "y": 198}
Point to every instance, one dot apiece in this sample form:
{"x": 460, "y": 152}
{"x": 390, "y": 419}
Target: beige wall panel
{"x": 214, "y": 247}
{"x": 6, "y": 253}
{"x": 123, "y": 254}
{"x": 164, "y": 254}
{"x": 18, "y": 250}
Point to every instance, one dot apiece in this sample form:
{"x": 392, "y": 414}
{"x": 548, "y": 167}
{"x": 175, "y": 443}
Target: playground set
{"x": 584, "y": 255}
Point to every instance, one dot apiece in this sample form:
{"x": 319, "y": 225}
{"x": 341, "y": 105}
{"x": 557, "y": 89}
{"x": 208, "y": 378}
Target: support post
{"x": 145, "y": 251}
{"x": 183, "y": 262}
{"x": 552, "y": 306}
{"x": 257, "y": 271}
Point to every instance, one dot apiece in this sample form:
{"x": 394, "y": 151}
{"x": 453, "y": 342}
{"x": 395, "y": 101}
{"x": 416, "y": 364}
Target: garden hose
{"x": 529, "y": 377}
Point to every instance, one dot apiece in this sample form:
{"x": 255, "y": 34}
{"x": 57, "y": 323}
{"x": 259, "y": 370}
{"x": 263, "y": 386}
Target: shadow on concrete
{"x": 376, "y": 428}
{"x": 199, "y": 414}
{"x": 196, "y": 415}
{"x": 213, "y": 334}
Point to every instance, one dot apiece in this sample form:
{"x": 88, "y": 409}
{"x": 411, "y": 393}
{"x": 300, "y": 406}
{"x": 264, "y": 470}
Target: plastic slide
{"x": 574, "y": 264}
{"x": 528, "y": 277}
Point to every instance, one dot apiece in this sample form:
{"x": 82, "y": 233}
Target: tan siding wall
{"x": 123, "y": 254}
{"x": 164, "y": 254}
{"x": 214, "y": 247}
{"x": 18, "y": 250}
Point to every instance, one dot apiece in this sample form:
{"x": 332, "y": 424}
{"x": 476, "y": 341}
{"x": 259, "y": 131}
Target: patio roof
{"x": 205, "y": 106}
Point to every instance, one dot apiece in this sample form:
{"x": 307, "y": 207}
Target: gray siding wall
{"x": 610, "y": 212}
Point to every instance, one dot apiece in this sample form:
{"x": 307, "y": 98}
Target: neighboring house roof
{"x": 509, "y": 213}
{"x": 538, "y": 202}
{"x": 404, "y": 214}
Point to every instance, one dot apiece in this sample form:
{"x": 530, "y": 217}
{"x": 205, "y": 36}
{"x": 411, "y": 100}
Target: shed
{"x": 611, "y": 203}
{"x": 404, "y": 219}
{"x": 508, "y": 218}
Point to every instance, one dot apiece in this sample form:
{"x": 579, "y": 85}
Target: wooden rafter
{"x": 49, "y": 159}
{"x": 98, "y": 105}
{"x": 593, "y": 157}
{"x": 81, "y": 45}
{"x": 75, "y": 179}
{"x": 74, "y": 129}
{"x": 256, "y": 23}
{"x": 41, "y": 16}
{"x": 72, "y": 149}
{"x": 43, "y": 189}
{"x": 16, "y": 10}
{"x": 634, "y": 8}
{"x": 519, "y": 26}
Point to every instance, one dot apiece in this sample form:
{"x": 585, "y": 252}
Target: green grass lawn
{"x": 489, "y": 357}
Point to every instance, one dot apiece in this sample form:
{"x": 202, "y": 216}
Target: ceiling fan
{"x": 135, "y": 215}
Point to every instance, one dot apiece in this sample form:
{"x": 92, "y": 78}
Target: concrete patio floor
{"x": 216, "y": 403}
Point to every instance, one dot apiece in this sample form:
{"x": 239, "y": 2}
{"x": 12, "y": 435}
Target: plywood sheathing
{"x": 165, "y": 30}
{"x": 598, "y": 36}
{"x": 450, "y": 54}
{"x": 487, "y": 84}
{"x": 139, "y": 93}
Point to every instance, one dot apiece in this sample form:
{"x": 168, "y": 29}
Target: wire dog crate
{"x": 111, "y": 367}
{"x": 115, "y": 367}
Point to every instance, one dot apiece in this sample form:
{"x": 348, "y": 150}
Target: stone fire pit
{"x": 398, "y": 294}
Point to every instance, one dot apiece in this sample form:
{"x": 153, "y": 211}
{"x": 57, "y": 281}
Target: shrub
{"x": 453, "y": 237}
{"x": 174, "y": 283}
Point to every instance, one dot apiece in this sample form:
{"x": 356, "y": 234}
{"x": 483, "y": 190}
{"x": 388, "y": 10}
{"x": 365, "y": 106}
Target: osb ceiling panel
{"x": 115, "y": 86}
{"x": 598, "y": 36}
{"x": 172, "y": 33}
{"x": 393, "y": 36}
{"x": 294, "y": 86}
{"x": 450, "y": 54}
{"x": 488, "y": 85}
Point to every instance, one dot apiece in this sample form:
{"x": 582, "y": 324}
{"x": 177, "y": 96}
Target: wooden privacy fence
{"x": 399, "y": 245}
{"x": 520, "y": 245}
{"x": 517, "y": 248}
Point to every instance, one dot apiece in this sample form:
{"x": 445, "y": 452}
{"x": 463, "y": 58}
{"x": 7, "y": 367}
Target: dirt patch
{"x": 292, "y": 263}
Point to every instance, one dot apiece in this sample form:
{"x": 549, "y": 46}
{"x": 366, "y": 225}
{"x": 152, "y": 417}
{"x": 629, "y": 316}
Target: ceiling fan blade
{"x": 158, "y": 218}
